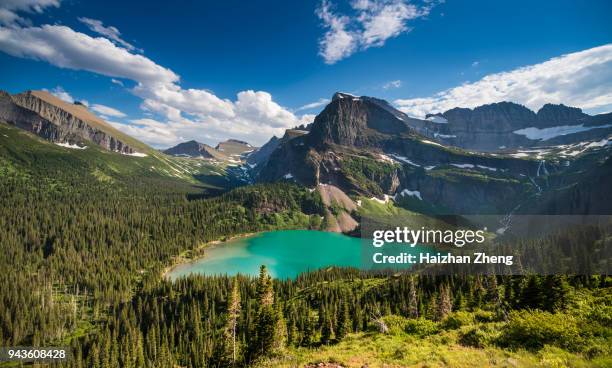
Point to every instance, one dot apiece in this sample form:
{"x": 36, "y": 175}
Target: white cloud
{"x": 109, "y": 32}
{"x": 107, "y": 111}
{"x": 337, "y": 43}
{"x": 582, "y": 79}
{"x": 314, "y": 105}
{"x": 392, "y": 84}
{"x": 475, "y": 63}
{"x": 63, "y": 47}
{"x": 371, "y": 25}
{"x": 10, "y": 8}
{"x": 183, "y": 113}
{"x": 60, "y": 93}
{"x": 117, "y": 82}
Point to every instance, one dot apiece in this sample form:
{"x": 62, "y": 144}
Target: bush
{"x": 457, "y": 319}
{"x": 534, "y": 329}
{"x": 396, "y": 324}
{"x": 479, "y": 337}
{"x": 485, "y": 316}
{"x": 421, "y": 327}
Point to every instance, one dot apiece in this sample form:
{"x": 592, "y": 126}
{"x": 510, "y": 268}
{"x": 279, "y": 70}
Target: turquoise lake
{"x": 285, "y": 253}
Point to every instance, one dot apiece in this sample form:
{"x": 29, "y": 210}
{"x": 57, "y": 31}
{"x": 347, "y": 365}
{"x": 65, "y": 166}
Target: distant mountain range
{"x": 231, "y": 150}
{"x": 500, "y": 158}
{"x": 365, "y": 147}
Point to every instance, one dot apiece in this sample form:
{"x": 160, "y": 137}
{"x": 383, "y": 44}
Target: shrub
{"x": 421, "y": 327}
{"x": 395, "y": 324}
{"x": 484, "y": 316}
{"x": 534, "y": 329}
{"x": 457, "y": 319}
{"x": 479, "y": 337}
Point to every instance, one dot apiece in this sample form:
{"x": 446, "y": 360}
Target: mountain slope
{"x": 365, "y": 147}
{"x": 506, "y": 125}
{"x": 63, "y": 122}
{"x": 196, "y": 150}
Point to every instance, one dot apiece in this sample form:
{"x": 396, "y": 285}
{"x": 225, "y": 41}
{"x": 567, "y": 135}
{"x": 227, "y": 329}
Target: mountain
{"x": 506, "y": 125}
{"x": 196, "y": 150}
{"x": 61, "y": 122}
{"x": 234, "y": 147}
{"x": 366, "y": 148}
{"x": 41, "y": 131}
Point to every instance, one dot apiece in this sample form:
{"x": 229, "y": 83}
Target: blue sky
{"x": 211, "y": 70}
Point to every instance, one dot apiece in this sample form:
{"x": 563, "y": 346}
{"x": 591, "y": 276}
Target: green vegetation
{"x": 367, "y": 173}
{"x": 86, "y": 235}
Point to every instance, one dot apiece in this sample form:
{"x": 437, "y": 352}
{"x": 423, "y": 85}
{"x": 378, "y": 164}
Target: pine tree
{"x": 413, "y": 306}
{"x": 343, "y": 321}
{"x": 556, "y": 292}
{"x": 266, "y": 316}
{"x": 444, "y": 305}
{"x": 233, "y": 315}
{"x": 492, "y": 295}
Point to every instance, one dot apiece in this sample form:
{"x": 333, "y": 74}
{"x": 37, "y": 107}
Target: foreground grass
{"x": 442, "y": 350}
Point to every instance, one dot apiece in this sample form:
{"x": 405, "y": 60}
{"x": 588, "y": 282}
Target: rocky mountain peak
{"x": 343, "y": 95}
{"x": 560, "y": 114}
{"x": 355, "y": 121}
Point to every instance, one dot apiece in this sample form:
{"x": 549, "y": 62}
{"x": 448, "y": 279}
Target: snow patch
{"x": 437, "y": 119}
{"x": 463, "y": 166}
{"x": 552, "y": 132}
{"x": 411, "y": 193}
{"x": 73, "y": 146}
{"x": 135, "y": 154}
{"x": 445, "y": 136}
{"x": 403, "y": 159}
{"x": 487, "y": 167}
{"x": 386, "y": 199}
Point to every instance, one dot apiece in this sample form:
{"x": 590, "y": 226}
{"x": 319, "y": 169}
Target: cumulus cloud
{"x": 582, "y": 79}
{"x": 392, "y": 84}
{"x": 371, "y": 24}
{"x": 60, "y": 93}
{"x": 109, "y": 32}
{"x": 181, "y": 113}
{"x": 10, "y": 8}
{"x": 107, "y": 111}
{"x": 314, "y": 105}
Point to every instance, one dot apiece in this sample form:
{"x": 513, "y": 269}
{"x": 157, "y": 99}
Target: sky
{"x": 167, "y": 72}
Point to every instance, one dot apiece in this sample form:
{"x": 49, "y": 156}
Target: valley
{"x": 102, "y": 215}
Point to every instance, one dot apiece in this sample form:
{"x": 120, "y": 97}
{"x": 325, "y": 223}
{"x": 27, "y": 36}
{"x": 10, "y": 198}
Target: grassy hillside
{"x": 22, "y": 153}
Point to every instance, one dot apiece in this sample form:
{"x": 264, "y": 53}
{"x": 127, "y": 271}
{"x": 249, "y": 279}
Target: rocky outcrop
{"x": 354, "y": 121}
{"x": 57, "y": 121}
{"x": 196, "y": 150}
{"x": 234, "y": 147}
{"x": 363, "y": 147}
{"x": 500, "y": 126}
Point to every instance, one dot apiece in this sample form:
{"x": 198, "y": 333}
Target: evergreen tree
{"x": 231, "y": 326}
{"x": 343, "y": 321}
{"x": 413, "y": 309}
{"x": 444, "y": 305}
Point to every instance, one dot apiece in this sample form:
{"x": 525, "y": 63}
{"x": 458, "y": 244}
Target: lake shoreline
{"x": 181, "y": 260}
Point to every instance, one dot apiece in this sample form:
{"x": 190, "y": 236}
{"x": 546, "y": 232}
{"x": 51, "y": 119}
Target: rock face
{"x": 61, "y": 122}
{"x": 261, "y": 155}
{"x": 506, "y": 125}
{"x": 196, "y": 150}
{"x": 234, "y": 147}
{"x": 354, "y": 121}
{"x": 365, "y": 147}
